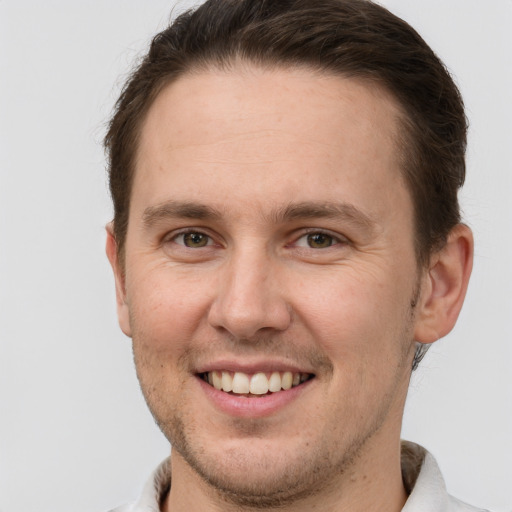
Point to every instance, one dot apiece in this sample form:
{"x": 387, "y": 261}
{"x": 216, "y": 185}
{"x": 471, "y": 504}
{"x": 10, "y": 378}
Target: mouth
{"x": 256, "y": 384}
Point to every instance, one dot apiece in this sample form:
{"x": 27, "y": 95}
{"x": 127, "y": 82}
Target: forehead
{"x": 281, "y": 134}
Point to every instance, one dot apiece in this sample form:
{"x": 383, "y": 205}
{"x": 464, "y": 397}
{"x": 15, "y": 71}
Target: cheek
{"x": 352, "y": 316}
{"x": 165, "y": 312}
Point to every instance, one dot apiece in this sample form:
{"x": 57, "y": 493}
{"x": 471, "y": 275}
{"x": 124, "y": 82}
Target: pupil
{"x": 319, "y": 240}
{"x": 195, "y": 240}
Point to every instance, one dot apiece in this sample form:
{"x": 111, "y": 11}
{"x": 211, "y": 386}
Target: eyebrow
{"x": 324, "y": 210}
{"x": 179, "y": 209}
{"x": 296, "y": 211}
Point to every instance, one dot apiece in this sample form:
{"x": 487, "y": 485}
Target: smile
{"x": 256, "y": 384}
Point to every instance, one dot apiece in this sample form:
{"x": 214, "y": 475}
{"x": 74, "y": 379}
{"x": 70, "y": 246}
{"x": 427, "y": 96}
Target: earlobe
{"x": 444, "y": 286}
{"x": 122, "y": 306}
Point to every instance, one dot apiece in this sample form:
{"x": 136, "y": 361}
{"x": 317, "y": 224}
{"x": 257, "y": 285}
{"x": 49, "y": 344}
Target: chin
{"x": 255, "y": 477}
{"x": 262, "y": 473}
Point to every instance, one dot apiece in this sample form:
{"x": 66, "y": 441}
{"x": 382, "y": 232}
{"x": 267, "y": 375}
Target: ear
{"x": 444, "y": 286}
{"x": 122, "y": 305}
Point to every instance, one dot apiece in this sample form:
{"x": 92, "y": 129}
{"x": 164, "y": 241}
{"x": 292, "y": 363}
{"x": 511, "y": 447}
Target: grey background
{"x": 74, "y": 431}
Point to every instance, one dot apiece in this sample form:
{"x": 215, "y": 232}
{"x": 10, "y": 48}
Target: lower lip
{"x": 252, "y": 407}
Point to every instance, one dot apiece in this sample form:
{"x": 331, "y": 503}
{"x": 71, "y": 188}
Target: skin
{"x": 265, "y": 157}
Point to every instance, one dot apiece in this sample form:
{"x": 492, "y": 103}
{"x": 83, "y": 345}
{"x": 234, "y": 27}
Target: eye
{"x": 317, "y": 240}
{"x": 193, "y": 239}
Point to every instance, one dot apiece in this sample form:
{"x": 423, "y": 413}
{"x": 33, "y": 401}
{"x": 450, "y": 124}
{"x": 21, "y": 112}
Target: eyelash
{"x": 183, "y": 234}
{"x": 334, "y": 239}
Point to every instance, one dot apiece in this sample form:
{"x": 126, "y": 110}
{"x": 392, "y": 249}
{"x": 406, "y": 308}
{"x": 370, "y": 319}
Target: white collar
{"x": 421, "y": 474}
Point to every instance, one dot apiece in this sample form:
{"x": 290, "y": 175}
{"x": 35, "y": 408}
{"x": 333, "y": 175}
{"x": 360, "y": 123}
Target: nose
{"x": 250, "y": 298}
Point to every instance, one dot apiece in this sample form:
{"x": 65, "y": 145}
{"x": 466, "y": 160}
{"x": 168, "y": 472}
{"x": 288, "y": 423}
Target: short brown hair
{"x": 351, "y": 38}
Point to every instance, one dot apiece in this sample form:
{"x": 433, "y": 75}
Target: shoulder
{"x": 123, "y": 508}
{"x": 456, "y": 505}
{"x": 153, "y": 491}
{"x": 426, "y": 485}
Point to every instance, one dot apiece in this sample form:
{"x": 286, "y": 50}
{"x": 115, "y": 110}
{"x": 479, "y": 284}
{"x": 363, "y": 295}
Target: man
{"x": 286, "y": 244}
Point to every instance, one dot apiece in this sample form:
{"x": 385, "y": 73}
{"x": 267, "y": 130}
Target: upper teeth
{"x": 257, "y": 384}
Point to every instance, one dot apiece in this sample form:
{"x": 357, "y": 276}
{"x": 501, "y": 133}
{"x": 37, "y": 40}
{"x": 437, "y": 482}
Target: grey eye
{"x": 319, "y": 240}
{"x": 193, "y": 240}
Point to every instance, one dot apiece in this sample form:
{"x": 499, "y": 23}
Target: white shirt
{"x": 420, "y": 472}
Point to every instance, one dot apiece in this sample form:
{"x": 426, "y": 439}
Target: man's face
{"x": 270, "y": 232}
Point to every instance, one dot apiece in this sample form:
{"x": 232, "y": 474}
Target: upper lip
{"x": 250, "y": 367}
